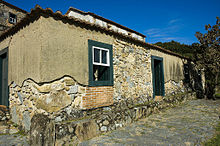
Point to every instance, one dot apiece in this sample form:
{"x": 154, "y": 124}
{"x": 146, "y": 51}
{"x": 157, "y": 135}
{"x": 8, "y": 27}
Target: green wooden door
{"x": 158, "y": 79}
{"x": 1, "y": 98}
{"x": 4, "y": 79}
{"x": 158, "y": 76}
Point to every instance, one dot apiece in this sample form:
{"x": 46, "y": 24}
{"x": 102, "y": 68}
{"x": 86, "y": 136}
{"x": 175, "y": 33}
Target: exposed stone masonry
{"x": 4, "y": 113}
{"x": 172, "y": 87}
{"x": 132, "y": 71}
{"x": 50, "y": 98}
{"x": 31, "y": 99}
{"x": 79, "y": 125}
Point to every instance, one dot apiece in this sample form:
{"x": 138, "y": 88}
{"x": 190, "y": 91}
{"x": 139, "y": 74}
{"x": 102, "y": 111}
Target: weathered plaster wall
{"x": 48, "y": 49}
{"x": 24, "y": 53}
{"x": 132, "y": 70}
{"x": 173, "y": 71}
{"x": 65, "y": 50}
{"x": 4, "y": 44}
{"x": 173, "y": 66}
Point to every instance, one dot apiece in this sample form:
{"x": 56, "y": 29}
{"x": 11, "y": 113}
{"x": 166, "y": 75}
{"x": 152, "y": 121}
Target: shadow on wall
{"x": 176, "y": 72}
{"x": 193, "y": 79}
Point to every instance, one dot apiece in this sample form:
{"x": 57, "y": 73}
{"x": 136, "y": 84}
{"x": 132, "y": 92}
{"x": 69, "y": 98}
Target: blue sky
{"x": 159, "y": 20}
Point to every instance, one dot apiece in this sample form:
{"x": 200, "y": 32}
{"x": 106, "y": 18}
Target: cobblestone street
{"x": 13, "y": 140}
{"x": 188, "y": 124}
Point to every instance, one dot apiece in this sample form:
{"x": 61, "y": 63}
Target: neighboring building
{"x": 9, "y": 15}
{"x": 80, "y": 60}
{"x": 104, "y": 23}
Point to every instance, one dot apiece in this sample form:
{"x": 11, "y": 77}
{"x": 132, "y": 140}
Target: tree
{"x": 182, "y": 49}
{"x": 207, "y": 56}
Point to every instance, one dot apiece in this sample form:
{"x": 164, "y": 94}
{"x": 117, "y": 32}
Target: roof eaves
{"x": 104, "y": 19}
{"x": 77, "y": 10}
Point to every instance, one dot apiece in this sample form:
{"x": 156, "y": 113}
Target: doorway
{"x": 158, "y": 76}
{"x": 4, "y": 77}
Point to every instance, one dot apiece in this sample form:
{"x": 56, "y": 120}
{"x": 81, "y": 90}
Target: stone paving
{"x": 188, "y": 124}
{"x": 11, "y": 136}
{"x": 13, "y": 140}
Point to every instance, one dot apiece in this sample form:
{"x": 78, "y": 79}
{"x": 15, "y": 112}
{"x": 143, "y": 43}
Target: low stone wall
{"x": 66, "y": 95}
{"x": 49, "y": 98}
{"x": 71, "y": 126}
{"x": 173, "y": 87}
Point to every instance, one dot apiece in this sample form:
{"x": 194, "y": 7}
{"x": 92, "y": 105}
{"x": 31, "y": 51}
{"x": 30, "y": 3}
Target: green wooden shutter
{"x": 105, "y": 73}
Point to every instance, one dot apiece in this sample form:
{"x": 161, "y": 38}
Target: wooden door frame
{"x": 153, "y": 58}
{"x": 2, "y": 52}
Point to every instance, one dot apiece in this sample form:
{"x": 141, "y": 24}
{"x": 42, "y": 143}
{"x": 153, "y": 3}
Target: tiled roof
{"x": 38, "y": 11}
{"x": 104, "y": 19}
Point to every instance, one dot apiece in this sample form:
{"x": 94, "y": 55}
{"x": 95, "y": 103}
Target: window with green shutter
{"x": 100, "y": 64}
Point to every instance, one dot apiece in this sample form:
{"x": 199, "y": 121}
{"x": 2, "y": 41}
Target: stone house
{"x": 50, "y": 62}
{"x": 9, "y": 15}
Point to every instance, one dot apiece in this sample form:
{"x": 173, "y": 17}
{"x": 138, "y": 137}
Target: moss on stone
{"x": 215, "y": 141}
{"x": 78, "y": 119}
{"x": 21, "y": 133}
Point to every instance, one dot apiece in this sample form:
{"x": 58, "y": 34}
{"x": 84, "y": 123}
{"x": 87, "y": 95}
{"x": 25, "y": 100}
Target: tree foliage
{"x": 207, "y": 56}
{"x": 182, "y": 49}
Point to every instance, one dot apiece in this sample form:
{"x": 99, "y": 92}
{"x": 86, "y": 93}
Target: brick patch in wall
{"x": 97, "y": 97}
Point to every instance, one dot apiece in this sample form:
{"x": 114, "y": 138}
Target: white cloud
{"x": 168, "y": 33}
{"x": 173, "y": 21}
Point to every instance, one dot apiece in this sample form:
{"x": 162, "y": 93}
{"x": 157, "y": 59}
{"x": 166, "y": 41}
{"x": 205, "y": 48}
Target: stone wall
{"x": 4, "y": 113}
{"x": 133, "y": 75}
{"x": 132, "y": 70}
{"x": 31, "y": 99}
{"x": 172, "y": 87}
{"x": 50, "y": 98}
{"x": 79, "y": 125}
{"x": 4, "y": 16}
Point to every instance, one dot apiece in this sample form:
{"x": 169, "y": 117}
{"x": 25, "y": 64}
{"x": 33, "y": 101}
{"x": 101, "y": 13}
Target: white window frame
{"x": 100, "y": 56}
{"x": 11, "y": 19}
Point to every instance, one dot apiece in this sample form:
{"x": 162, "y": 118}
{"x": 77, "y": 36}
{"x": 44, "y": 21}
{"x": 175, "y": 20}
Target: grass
{"x": 3, "y": 134}
{"x": 21, "y": 133}
{"x": 215, "y": 141}
{"x": 169, "y": 126}
{"x": 217, "y": 95}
